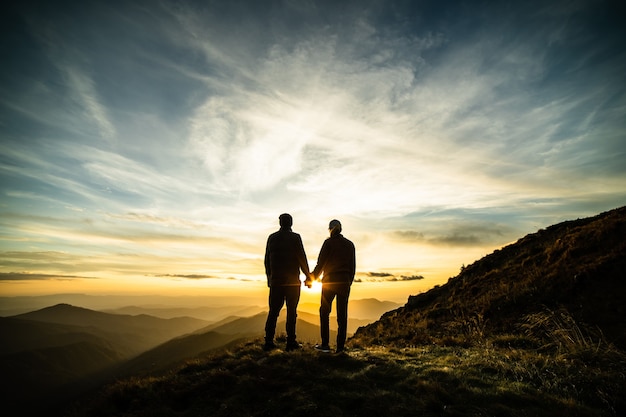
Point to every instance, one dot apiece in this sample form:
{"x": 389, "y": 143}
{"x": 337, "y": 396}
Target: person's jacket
{"x": 284, "y": 257}
{"x": 337, "y": 260}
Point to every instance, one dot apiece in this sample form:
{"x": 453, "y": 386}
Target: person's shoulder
{"x": 347, "y": 240}
{"x": 273, "y": 235}
{"x": 290, "y": 234}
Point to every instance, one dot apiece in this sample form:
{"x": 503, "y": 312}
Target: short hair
{"x": 334, "y": 225}
{"x": 285, "y": 220}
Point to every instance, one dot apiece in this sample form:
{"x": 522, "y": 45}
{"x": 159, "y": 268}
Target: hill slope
{"x": 570, "y": 277}
{"x": 187, "y": 347}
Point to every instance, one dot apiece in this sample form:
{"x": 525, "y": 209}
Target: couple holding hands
{"x": 284, "y": 258}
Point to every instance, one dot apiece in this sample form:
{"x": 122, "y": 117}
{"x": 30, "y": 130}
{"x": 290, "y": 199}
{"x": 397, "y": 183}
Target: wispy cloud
{"x": 385, "y": 277}
{"x": 26, "y": 276}
{"x": 186, "y": 276}
{"x": 159, "y": 135}
{"x": 480, "y": 234}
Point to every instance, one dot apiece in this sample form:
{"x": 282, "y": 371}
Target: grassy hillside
{"x": 534, "y": 329}
{"x": 176, "y": 351}
{"x": 562, "y": 285}
{"x": 425, "y": 381}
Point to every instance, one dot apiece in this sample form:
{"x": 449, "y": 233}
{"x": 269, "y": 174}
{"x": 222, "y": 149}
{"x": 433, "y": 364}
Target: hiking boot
{"x": 293, "y": 346}
{"x": 322, "y": 348}
{"x": 269, "y": 346}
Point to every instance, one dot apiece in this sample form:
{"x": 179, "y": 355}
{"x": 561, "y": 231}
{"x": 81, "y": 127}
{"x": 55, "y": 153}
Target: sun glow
{"x": 316, "y": 287}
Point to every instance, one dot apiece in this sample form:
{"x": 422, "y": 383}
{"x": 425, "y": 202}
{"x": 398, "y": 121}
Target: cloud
{"x": 67, "y": 97}
{"x": 149, "y": 218}
{"x": 198, "y": 277}
{"x": 456, "y": 238}
{"x": 28, "y": 276}
{"x": 186, "y": 276}
{"x": 155, "y": 134}
{"x": 246, "y": 152}
{"x": 87, "y": 98}
{"x": 385, "y": 277}
{"x": 459, "y": 231}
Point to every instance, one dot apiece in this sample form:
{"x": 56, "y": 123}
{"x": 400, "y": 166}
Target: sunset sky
{"x": 150, "y": 146}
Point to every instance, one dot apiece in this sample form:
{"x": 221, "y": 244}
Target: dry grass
{"x": 376, "y": 381}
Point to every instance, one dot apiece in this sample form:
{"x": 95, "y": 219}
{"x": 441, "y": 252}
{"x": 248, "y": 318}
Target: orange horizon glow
{"x": 430, "y": 152}
{"x": 255, "y": 289}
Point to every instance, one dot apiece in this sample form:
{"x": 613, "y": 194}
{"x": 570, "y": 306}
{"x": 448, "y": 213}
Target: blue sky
{"x": 151, "y": 144}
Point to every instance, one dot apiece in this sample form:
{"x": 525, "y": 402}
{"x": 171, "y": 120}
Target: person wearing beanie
{"x": 284, "y": 258}
{"x": 336, "y": 264}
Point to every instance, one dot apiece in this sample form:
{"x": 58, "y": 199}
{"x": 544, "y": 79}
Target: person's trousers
{"x": 331, "y": 291}
{"x": 279, "y": 295}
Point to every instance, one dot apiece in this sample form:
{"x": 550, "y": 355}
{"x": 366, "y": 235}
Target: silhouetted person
{"x": 284, "y": 258}
{"x": 337, "y": 263}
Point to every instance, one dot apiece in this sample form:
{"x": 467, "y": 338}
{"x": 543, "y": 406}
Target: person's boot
{"x": 293, "y": 345}
{"x": 269, "y": 345}
{"x": 323, "y": 348}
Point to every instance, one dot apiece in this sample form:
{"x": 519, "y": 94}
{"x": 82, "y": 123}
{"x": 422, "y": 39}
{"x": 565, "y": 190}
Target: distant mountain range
{"x": 211, "y": 314}
{"x": 365, "y": 310}
{"x": 56, "y": 352}
{"x": 130, "y": 335}
{"x": 204, "y": 305}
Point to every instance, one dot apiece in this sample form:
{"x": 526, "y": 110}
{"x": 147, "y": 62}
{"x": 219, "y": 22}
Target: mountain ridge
{"x": 132, "y": 334}
{"x": 574, "y": 270}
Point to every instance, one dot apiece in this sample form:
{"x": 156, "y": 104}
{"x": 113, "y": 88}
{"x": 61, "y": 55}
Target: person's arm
{"x": 268, "y": 266}
{"x": 304, "y": 264}
{"x": 353, "y": 263}
{"x": 321, "y": 260}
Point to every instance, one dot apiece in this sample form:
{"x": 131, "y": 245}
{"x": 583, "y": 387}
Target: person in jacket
{"x": 284, "y": 258}
{"x": 337, "y": 265}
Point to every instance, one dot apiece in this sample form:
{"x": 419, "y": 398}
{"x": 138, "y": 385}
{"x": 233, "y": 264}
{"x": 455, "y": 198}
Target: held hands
{"x": 309, "y": 280}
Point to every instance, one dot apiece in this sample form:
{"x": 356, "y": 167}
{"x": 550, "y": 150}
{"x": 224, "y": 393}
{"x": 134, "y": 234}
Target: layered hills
{"x": 55, "y": 353}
